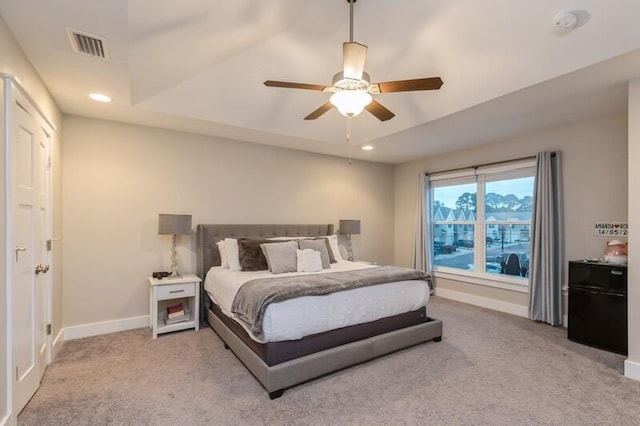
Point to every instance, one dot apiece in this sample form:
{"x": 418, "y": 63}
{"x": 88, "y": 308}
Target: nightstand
{"x": 170, "y": 291}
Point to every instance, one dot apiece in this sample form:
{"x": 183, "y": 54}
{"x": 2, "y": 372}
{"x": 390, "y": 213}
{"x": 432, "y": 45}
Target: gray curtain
{"x": 419, "y": 235}
{"x": 422, "y": 233}
{"x": 545, "y": 292}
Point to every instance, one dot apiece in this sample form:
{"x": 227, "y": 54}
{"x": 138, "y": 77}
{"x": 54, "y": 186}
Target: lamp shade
{"x": 174, "y": 224}
{"x": 350, "y": 226}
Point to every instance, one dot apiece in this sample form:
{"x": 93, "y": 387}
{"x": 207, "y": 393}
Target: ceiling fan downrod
{"x": 351, "y": 2}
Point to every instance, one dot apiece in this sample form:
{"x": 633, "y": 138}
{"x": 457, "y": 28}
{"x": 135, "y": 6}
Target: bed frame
{"x": 277, "y": 378}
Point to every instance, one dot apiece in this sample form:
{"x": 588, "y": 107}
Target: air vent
{"x": 88, "y": 44}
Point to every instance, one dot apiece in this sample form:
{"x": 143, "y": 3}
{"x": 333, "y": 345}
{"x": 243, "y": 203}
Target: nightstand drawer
{"x": 173, "y": 291}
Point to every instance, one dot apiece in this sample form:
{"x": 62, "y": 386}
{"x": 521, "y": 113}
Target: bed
{"x": 281, "y": 361}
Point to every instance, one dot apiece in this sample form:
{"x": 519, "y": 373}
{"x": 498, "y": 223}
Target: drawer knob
{"x": 176, "y": 291}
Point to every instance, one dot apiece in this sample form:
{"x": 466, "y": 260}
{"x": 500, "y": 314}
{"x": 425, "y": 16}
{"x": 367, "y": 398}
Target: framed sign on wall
{"x": 611, "y": 229}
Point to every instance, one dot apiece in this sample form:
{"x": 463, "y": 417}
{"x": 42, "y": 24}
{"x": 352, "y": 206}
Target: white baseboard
{"x": 5, "y": 420}
{"x": 484, "y": 302}
{"x": 98, "y": 328}
{"x": 632, "y": 369}
{"x": 58, "y": 341}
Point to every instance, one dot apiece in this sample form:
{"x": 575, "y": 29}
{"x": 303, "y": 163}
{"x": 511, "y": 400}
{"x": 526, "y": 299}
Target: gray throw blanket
{"x": 254, "y": 296}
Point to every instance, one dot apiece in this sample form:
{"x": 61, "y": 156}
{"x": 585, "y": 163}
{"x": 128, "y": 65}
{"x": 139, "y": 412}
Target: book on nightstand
{"x": 181, "y": 318}
{"x": 175, "y": 311}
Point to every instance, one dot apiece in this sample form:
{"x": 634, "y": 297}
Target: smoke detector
{"x": 565, "y": 21}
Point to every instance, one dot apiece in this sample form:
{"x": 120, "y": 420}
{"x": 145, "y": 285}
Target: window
{"x": 454, "y": 218}
{"x": 481, "y": 222}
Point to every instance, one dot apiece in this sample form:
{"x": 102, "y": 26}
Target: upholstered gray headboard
{"x": 208, "y": 235}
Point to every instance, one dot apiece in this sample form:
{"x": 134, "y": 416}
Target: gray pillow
{"x": 332, "y": 258}
{"x": 281, "y": 257}
{"x": 317, "y": 245}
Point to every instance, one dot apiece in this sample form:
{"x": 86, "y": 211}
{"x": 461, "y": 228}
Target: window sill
{"x": 519, "y": 285}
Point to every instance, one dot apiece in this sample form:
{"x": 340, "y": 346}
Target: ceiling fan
{"x": 352, "y": 87}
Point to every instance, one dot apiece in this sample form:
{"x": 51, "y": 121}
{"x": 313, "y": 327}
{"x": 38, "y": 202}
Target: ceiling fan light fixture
{"x": 341, "y": 82}
{"x": 350, "y": 102}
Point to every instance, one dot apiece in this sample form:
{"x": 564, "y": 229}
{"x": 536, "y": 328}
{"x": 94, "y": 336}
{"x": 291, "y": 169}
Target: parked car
{"x": 448, "y": 249}
{"x": 464, "y": 243}
{"x": 502, "y": 257}
{"x": 493, "y": 268}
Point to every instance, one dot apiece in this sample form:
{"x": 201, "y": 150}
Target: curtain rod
{"x": 533, "y": 157}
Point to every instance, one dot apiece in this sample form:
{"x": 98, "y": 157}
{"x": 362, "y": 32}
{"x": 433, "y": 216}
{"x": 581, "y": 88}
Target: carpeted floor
{"x": 490, "y": 368}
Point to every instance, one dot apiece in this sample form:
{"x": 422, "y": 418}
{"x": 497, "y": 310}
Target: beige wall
{"x": 632, "y": 366}
{"x": 118, "y": 177}
{"x": 14, "y": 63}
{"x": 595, "y": 187}
{"x": 4, "y": 321}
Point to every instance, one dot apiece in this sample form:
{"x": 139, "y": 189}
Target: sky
{"x": 519, "y": 187}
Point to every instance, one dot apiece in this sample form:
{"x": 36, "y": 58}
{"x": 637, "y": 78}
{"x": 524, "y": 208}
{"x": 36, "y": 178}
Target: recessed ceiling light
{"x": 367, "y": 148}
{"x": 100, "y": 97}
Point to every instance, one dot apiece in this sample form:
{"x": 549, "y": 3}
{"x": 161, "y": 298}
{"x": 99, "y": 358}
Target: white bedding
{"x": 296, "y": 318}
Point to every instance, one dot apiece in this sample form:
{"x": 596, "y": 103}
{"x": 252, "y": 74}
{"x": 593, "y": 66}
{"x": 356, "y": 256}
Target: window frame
{"x": 480, "y": 176}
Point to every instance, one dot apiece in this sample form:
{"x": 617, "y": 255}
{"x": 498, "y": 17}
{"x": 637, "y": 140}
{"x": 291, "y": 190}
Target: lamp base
{"x": 174, "y": 260}
{"x": 349, "y": 248}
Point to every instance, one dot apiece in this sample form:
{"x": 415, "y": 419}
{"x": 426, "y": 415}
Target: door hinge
{"x": 48, "y": 329}
{"x": 49, "y": 244}
{"x": 49, "y": 163}
{"x": 17, "y": 374}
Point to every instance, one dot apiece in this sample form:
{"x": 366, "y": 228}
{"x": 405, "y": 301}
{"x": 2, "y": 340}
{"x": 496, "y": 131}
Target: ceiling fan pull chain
{"x": 349, "y": 137}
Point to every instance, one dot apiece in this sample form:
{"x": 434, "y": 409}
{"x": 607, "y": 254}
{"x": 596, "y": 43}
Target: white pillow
{"x": 319, "y": 245}
{"x": 309, "y": 260}
{"x": 222, "y": 248}
{"x": 335, "y": 248}
{"x": 233, "y": 256}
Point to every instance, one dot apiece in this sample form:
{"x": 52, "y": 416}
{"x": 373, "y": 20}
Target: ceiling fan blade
{"x": 432, "y": 83}
{"x": 380, "y": 112}
{"x": 317, "y": 113}
{"x": 289, "y": 85}
{"x": 353, "y": 57}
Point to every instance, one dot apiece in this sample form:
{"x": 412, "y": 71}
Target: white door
{"x": 29, "y": 152}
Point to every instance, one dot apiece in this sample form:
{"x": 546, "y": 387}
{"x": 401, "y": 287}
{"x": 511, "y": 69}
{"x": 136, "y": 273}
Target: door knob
{"x": 41, "y": 268}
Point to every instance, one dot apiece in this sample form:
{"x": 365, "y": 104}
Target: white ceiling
{"x": 198, "y": 66}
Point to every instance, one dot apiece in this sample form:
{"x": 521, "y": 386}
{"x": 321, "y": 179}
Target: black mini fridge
{"x": 598, "y": 305}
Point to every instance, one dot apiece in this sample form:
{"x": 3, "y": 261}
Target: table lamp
{"x": 174, "y": 224}
{"x": 349, "y": 227}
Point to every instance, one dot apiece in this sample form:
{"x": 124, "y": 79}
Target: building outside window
{"x": 481, "y": 222}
